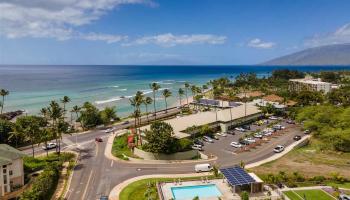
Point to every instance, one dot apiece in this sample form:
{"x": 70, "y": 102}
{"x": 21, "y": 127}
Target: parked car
{"x": 278, "y": 149}
{"x": 307, "y": 131}
{"x": 273, "y": 118}
{"x": 197, "y": 147}
{"x": 290, "y": 121}
{"x": 236, "y": 144}
{"x": 240, "y": 129}
{"x": 98, "y": 139}
{"x": 278, "y": 127}
{"x": 215, "y": 137}
{"x": 104, "y": 198}
{"x": 208, "y": 139}
{"x": 258, "y": 135}
{"x": 250, "y": 140}
{"x": 203, "y": 167}
{"x": 244, "y": 142}
{"x": 231, "y": 132}
{"x": 344, "y": 197}
{"x": 49, "y": 146}
{"x": 221, "y": 134}
{"x": 267, "y": 133}
{"x": 259, "y": 123}
{"x": 199, "y": 142}
{"x": 246, "y": 127}
{"x": 297, "y": 137}
{"x": 126, "y": 122}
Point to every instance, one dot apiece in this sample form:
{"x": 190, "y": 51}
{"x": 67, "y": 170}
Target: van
{"x": 203, "y": 167}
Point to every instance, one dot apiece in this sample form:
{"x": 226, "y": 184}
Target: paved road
{"x": 96, "y": 175}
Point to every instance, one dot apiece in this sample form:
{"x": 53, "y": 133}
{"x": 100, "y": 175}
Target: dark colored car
{"x": 104, "y": 198}
{"x": 197, "y": 141}
{"x": 244, "y": 142}
{"x": 231, "y": 132}
{"x": 290, "y": 121}
{"x": 247, "y": 127}
{"x": 98, "y": 140}
{"x": 297, "y": 137}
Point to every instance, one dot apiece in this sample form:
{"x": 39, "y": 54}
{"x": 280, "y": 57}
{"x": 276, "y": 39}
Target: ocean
{"x": 33, "y": 87}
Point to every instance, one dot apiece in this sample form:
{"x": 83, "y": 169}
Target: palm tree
{"x": 3, "y": 93}
{"x": 55, "y": 113}
{"x": 181, "y": 93}
{"x": 187, "y": 85}
{"x": 147, "y": 101}
{"x": 65, "y": 100}
{"x": 166, "y": 94}
{"x": 155, "y": 87}
{"x": 136, "y": 114}
{"x": 76, "y": 110}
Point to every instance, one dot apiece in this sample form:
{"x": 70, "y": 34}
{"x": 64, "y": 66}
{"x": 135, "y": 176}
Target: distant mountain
{"x": 338, "y": 54}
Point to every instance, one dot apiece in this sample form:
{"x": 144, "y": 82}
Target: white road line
{"x": 112, "y": 163}
{"x": 87, "y": 185}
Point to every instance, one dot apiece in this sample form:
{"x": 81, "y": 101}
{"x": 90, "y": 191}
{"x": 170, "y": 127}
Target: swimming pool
{"x": 189, "y": 192}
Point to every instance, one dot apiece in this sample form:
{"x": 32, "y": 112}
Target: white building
{"x": 11, "y": 168}
{"x": 309, "y": 84}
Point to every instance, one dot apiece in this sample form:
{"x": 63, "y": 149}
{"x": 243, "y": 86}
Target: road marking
{"x": 87, "y": 185}
{"x": 112, "y": 163}
{"x": 96, "y": 150}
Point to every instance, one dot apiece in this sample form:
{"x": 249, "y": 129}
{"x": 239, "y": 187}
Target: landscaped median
{"x": 312, "y": 193}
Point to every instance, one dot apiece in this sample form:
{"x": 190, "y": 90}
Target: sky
{"x": 131, "y": 32}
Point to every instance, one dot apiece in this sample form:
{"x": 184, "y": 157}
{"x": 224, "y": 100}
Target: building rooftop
{"x": 237, "y": 176}
{"x": 179, "y": 124}
{"x": 8, "y": 153}
{"x": 309, "y": 81}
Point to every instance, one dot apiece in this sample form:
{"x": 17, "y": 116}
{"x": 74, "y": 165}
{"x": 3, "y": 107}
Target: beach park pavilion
{"x": 234, "y": 114}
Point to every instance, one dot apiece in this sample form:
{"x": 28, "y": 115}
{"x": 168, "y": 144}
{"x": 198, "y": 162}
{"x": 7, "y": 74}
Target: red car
{"x": 98, "y": 140}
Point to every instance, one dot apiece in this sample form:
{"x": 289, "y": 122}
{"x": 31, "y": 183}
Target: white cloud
{"x": 258, "y": 43}
{"x": 169, "y": 40}
{"x": 103, "y": 37}
{"x": 340, "y": 36}
{"x": 53, "y": 18}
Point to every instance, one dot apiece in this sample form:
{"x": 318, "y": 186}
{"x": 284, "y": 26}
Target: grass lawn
{"x": 120, "y": 147}
{"x": 308, "y": 194}
{"x": 38, "y": 163}
{"x": 340, "y": 185}
{"x": 137, "y": 189}
{"x": 323, "y": 162}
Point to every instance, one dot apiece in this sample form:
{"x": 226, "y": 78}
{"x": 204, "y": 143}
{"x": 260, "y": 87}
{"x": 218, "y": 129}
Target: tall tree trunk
{"x": 166, "y": 106}
{"x": 3, "y": 103}
{"x": 188, "y": 105}
{"x": 154, "y": 105}
{"x": 147, "y": 113}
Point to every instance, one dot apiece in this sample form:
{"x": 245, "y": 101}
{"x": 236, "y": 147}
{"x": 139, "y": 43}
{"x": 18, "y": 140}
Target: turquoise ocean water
{"x": 33, "y": 87}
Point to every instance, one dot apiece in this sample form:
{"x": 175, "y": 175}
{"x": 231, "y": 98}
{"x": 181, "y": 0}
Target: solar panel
{"x": 237, "y": 176}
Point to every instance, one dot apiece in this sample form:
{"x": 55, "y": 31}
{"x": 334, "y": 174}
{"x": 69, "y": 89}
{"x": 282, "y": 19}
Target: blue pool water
{"x": 189, "y": 192}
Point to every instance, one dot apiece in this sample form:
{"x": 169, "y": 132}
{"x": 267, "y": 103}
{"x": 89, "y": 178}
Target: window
{"x": 5, "y": 179}
{"x": 10, "y": 172}
{"x": 4, "y": 171}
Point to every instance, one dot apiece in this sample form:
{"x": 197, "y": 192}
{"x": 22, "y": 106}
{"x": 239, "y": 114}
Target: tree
{"x": 76, "y": 110}
{"x": 64, "y": 101}
{"x": 244, "y": 195}
{"x": 181, "y": 92}
{"x": 155, "y": 87}
{"x": 166, "y": 94}
{"x": 89, "y": 116}
{"x": 5, "y": 130}
{"x": 159, "y": 138}
{"x": 55, "y": 113}
{"x": 3, "y": 93}
{"x": 108, "y": 115}
{"x": 31, "y": 127}
{"x": 187, "y": 85}
{"x": 147, "y": 101}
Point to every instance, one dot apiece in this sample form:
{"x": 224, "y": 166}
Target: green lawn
{"x": 38, "y": 163}
{"x": 308, "y": 195}
{"x": 340, "y": 185}
{"x": 120, "y": 147}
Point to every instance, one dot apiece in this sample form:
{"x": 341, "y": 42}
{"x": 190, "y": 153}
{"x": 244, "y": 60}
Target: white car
{"x": 208, "y": 139}
{"x": 258, "y": 135}
{"x": 278, "y": 149}
{"x": 221, "y": 134}
{"x": 240, "y": 129}
{"x": 250, "y": 140}
{"x": 279, "y": 127}
{"x": 197, "y": 147}
{"x": 236, "y": 144}
{"x": 273, "y": 118}
{"x": 109, "y": 130}
{"x": 50, "y": 146}
{"x": 267, "y": 133}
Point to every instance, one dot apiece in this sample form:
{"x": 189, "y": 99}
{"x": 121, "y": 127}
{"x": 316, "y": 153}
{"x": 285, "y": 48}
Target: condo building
{"x": 310, "y": 85}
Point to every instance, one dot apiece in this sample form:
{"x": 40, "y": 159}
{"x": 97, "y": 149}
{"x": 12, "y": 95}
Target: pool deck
{"x": 223, "y": 187}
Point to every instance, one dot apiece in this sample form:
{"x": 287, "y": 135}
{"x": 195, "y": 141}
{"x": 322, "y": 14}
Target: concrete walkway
{"x": 114, "y": 194}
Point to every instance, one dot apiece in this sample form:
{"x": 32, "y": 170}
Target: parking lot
{"x": 226, "y": 153}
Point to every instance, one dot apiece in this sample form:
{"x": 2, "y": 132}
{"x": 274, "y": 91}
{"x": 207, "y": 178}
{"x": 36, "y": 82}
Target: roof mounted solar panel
{"x": 237, "y": 176}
